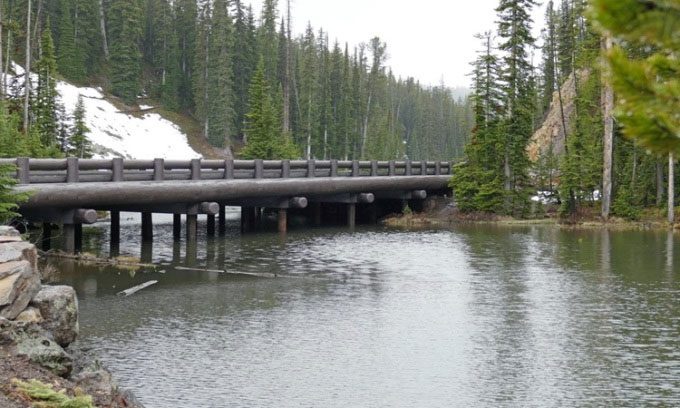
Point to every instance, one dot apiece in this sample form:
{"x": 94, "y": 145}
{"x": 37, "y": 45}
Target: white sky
{"x": 431, "y": 40}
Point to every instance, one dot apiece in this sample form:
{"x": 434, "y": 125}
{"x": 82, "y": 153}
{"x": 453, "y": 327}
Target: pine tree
{"x": 268, "y": 40}
{"x": 201, "y": 74}
{"x": 244, "y": 62}
{"x": 79, "y": 144}
{"x": 514, "y": 29}
{"x": 161, "y": 53}
{"x": 125, "y": 28}
{"x": 186, "y": 14}
{"x": 220, "y": 112}
{"x": 45, "y": 100}
{"x": 70, "y": 62}
{"x": 265, "y": 138}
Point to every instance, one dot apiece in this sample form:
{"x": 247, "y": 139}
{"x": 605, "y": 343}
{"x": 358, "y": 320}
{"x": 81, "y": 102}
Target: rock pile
{"x": 38, "y": 328}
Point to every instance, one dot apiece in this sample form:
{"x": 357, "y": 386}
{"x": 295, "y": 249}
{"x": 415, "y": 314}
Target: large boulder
{"x": 58, "y": 307}
{"x": 44, "y": 351}
{"x": 19, "y": 251}
{"x": 19, "y": 283}
{"x": 6, "y": 231}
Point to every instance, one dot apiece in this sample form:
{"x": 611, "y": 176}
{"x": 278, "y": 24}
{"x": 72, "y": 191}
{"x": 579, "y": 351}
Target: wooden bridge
{"x": 70, "y": 191}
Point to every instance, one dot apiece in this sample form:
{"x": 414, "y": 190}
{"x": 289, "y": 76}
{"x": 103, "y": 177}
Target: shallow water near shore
{"x": 472, "y": 316}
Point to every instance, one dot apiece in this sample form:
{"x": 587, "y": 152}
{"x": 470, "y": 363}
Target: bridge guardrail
{"x": 74, "y": 170}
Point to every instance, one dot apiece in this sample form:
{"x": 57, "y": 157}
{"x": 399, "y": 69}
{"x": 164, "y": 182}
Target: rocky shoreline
{"x": 38, "y": 339}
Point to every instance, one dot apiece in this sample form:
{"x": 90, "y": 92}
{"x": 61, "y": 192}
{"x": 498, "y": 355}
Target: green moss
{"x": 44, "y": 396}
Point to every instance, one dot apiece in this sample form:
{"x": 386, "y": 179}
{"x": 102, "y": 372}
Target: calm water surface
{"x": 472, "y": 317}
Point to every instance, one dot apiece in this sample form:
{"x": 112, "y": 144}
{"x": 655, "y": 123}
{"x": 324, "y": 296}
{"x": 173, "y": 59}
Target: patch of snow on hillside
{"x": 118, "y": 134}
{"x": 146, "y": 137}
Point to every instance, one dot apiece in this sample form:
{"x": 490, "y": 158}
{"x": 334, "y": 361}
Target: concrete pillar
{"x": 46, "y": 236}
{"x": 222, "y": 221}
{"x": 177, "y": 226}
{"x": 283, "y": 220}
{"x": 351, "y": 215}
{"x": 147, "y": 227}
{"x": 211, "y": 225}
{"x": 192, "y": 227}
{"x": 115, "y": 227}
{"x": 316, "y": 214}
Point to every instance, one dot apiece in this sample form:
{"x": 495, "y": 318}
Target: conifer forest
{"x": 540, "y": 122}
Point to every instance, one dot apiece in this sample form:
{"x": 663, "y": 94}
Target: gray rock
{"x": 58, "y": 306}
{"x": 30, "y": 316}
{"x": 9, "y": 231}
{"x": 44, "y": 351}
{"x": 19, "y": 251}
{"x": 18, "y": 287}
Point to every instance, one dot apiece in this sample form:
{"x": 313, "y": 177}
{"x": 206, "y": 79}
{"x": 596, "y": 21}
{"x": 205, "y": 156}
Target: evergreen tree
{"x": 79, "y": 144}
{"x": 44, "y": 107}
{"x": 125, "y": 32}
{"x": 70, "y": 62}
{"x": 265, "y": 138}
{"x": 220, "y": 112}
{"x": 514, "y": 29}
{"x": 186, "y": 15}
{"x": 268, "y": 40}
{"x": 244, "y": 62}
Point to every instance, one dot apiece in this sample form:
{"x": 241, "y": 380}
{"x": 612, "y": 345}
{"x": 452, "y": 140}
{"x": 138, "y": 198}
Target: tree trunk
{"x": 671, "y": 188}
{"x": 27, "y": 78}
{"x": 364, "y": 133}
{"x": 36, "y": 29}
{"x": 7, "y": 59}
{"x": 608, "y": 102}
{"x": 102, "y": 27}
{"x": 659, "y": 184}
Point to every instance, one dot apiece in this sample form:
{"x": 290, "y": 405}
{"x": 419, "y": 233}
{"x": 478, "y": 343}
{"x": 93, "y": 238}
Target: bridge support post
{"x": 283, "y": 220}
{"x": 73, "y": 237}
{"x": 222, "y": 227}
{"x": 373, "y": 213}
{"x": 192, "y": 227}
{"x": 247, "y": 219}
{"x": 176, "y": 226}
{"x": 46, "y": 236}
{"x": 78, "y": 236}
{"x": 115, "y": 227}
{"x": 147, "y": 227}
{"x": 351, "y": 215}
{"x": 316, "y": 214}
{"x": 146, "y": 254}
{"x": 211, "y": 225}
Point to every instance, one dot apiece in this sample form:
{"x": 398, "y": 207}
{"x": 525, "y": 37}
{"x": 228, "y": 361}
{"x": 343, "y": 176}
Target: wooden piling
{"x": 147, "y": 227}
{"x": 210, "y": 225}
{"x": 283, "y": 220}
{"x": 46, "y": 236}
{"x": 316, "y": 214}
{"x": 177, "y": 226}
{"x": 69, "y": 232}
{"x": 351, "y": 215}
{"x": 222, "y": 221}
{"x": 192, "y": 227}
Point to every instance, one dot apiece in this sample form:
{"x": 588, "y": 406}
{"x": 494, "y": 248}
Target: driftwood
{"x": 183, "y": 268}
{"x": 135, "y": 289}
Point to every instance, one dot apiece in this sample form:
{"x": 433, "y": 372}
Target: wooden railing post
{"x": 195, "y": 169}
{"x": 229, "y": 169}
{"x": 437, "y": 168}
{"x": 23, "y": 170}
{"x": 117, "y": 166}
{"x": 72, "y": 170}
{"x": 334, "y": 168}
{"x": 374, "y": 168}
{"x": 158, "y": 169}
{"x": 259, "y": 168}
{"x": 356, "y": 172}
{"x": 408, "y": 170}
{"x": 423, "y": 168}
{"x": 311, "y": 168}
{"x": 285, "y": 168}
{"x": 392, "y": 168}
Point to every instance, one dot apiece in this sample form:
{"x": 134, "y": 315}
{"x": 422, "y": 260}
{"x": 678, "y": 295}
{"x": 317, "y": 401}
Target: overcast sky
{"x": 431, "y": 40}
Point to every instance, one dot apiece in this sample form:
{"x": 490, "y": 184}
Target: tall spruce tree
{"x": 220, "y": 112}
{"x": 45, "y": 100}
{"x": 244, "y": 61}
{"x": 125, "y": 35}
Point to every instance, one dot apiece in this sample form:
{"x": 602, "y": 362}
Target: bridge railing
{"x": 74, "y": 170}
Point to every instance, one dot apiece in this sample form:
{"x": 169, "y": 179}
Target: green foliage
{"x": 265, "y": 139}
{"x": 647, "y": 88}
{"x": 78, "y": 143}
{"x": 9, "y": 200}
{"x": 69, "y": 58}
{"x": 125, "y": 28}
{"x": 44, "y": 396}
{"x": 45, "y": 99}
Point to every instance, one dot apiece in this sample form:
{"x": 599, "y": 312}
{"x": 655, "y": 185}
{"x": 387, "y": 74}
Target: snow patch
{"x": 119, "y": 134}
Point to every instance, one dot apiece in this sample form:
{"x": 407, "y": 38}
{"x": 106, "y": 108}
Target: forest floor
{"x": 441, "y": 213}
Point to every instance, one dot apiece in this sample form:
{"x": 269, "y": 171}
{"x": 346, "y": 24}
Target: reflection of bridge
{"x": 69, "y": 191}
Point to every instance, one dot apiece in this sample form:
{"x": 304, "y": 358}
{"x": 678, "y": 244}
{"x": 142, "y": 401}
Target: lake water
{"x": 469, "y": 317}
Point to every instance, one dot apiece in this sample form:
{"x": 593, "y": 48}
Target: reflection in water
{"x": 478, "y": 316}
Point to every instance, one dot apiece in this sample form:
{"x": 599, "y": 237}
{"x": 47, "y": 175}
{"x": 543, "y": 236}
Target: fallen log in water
{"x": 135, "y": 289}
